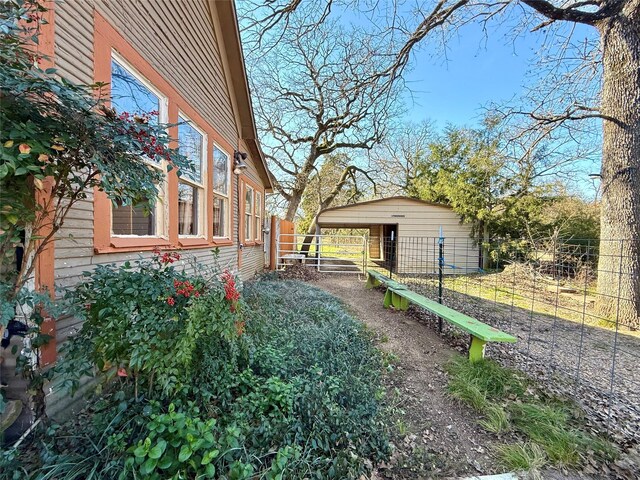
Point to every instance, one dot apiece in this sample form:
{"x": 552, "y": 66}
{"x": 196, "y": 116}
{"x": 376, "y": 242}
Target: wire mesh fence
{"x": 574, "y": 306}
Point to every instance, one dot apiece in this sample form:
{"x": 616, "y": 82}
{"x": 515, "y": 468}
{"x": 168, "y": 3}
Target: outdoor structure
{"x": 404, "y": 234}
{"x": 183, "y": 61}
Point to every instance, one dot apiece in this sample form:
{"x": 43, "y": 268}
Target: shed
{"x": 404, "y": 233}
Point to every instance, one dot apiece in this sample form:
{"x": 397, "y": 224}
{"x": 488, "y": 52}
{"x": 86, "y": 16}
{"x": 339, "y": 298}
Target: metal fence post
{"x": 440, "y": 273}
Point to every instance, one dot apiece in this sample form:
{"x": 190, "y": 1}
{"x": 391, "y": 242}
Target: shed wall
{"x": 418, "y": 229}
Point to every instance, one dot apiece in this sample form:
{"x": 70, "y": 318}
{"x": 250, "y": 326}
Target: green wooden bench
{"x": 375, "y": 279}
{"x": 481, "y": 333}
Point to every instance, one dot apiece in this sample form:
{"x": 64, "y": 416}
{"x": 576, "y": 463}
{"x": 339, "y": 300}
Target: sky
{"x": 476, "y": 70}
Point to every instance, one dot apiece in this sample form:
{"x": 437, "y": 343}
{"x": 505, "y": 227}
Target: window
{"x": 133, "y": 95}
{"x": 130, "y": 220}
{"x": 248, "y": 213}
{"x": 220, "y": 193}
{"x": 258, "y": 217}
{"x": 191, "y": 144}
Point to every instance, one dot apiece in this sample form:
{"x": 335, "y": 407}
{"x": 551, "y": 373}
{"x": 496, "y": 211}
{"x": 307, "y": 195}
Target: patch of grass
{"x": 508, "y": 401}
{"x": 468, "y": 393}
{"x": 496, "y": 419}
{"x": 401, "y": 427}
{"x": 491, "y": 379}
{"x": 521, "y": 456}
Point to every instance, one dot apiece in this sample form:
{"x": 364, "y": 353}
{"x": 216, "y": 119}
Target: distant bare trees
{"x": 317, "y": 91}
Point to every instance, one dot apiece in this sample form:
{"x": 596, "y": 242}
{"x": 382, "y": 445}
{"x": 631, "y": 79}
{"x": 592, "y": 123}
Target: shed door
{"x": 390, "y": 239}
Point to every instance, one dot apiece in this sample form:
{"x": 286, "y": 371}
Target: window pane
{"x": 248, "y": 213}
{"x": 129, "y": 220}
{"x": 187, "y": 210}
{"x": 219, "y": 217}
{"x": 247, "y": 226}
{"x": 191, "y": 143}
{"x": 248, "y": 199}
{"x": 258, "y": 214}
{"x": 128, "y": 94}
{"x": 220, "y": 171}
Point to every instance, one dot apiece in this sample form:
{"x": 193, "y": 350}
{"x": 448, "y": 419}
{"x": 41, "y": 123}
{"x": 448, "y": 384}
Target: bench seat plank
{"x": 482, "y": 331}
{"x": 375, "y": 279}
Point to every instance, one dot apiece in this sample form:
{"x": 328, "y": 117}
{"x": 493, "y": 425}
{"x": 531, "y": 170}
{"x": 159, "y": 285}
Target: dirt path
{"x": 436, "y": 436}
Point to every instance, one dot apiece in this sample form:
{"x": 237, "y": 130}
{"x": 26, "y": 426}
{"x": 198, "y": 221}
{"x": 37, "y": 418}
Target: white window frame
{"x": 248, "y": 237}
{"x": 227, "y": 196}
{"x": 202, "y": 223}
{"x": 161, "y": 205}
{"x": 257, "y": 215}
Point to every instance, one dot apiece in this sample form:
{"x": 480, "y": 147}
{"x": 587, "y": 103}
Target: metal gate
{"x": 325, "y": 253}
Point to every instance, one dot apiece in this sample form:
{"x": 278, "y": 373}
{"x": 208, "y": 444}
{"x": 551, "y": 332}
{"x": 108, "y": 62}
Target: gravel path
{"x": 437, "y": 437}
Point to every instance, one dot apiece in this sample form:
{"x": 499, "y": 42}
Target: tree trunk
{"x": 619, "y": 261}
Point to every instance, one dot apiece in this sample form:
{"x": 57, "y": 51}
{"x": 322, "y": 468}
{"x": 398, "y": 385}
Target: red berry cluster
{"x": 186, "y": 289}
{"x": 167, "y": 257}
{"x": 230, "y": 291}
{"x": 150, "y": 144}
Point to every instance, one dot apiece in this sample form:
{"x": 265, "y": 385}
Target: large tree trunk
{"x": 292, "y": 207}
{"x": 619, "y": 262}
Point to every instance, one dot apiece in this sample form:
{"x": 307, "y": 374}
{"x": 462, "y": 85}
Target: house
{"x": 184, "y": 61}
{"x": 404, "y": 233}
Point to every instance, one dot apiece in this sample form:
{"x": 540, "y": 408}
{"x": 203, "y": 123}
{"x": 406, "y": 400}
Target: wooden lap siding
{"x": 178, "y": 40}
{"x": 252, "y": 255}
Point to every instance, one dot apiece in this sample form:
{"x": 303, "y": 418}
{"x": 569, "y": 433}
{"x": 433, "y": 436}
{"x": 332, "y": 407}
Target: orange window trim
{"x": 244, "y": 181}
{"x": 44, "y": 274}
{"x": 106, "y": 40}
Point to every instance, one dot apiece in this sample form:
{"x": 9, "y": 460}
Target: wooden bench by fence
{"x": 375, "y": 279}
{"x": 400, "y": 297}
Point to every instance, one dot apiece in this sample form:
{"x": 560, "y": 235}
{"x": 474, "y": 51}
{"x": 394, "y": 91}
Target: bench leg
{"x": 476, "y": 349}
{"x": 372, "y": 282}
{"x": 388, "y": 295}
{"x": 399, "y": 303}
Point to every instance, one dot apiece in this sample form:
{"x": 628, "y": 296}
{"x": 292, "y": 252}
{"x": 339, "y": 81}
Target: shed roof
{"x": 378, "y": 200}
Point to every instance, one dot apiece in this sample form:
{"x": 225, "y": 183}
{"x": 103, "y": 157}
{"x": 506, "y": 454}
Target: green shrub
{"x": 283, "y": 385}
{"x": 178, "y": 445}
{"x": 305, "y": 336}
{"x": 143, "y": 321}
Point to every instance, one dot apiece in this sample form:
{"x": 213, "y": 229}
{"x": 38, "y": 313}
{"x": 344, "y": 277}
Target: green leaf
{"x": 158, "y": 449}
{"x": 165, "y": 463}
{"x": 210, "y": 471}
{"x": 209, "y": 456}
{"x": 185, "y": 453}
{"x": 148, "y": 466}
{"x": 140, "y": 451}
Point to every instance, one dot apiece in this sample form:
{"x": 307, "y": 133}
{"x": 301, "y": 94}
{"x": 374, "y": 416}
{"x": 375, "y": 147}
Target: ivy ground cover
{"x": 199, "y": 377}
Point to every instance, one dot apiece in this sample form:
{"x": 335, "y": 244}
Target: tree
{"x": 398, "y": 160}
{"x": 316, "y": 93}
{"x": 337, "y": 182}
{"x": 468, "y": 170}
{"x": 617, "y": 61}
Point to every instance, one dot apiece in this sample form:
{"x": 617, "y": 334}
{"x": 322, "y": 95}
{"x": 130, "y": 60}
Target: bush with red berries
{"x": 139, "y": 319}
